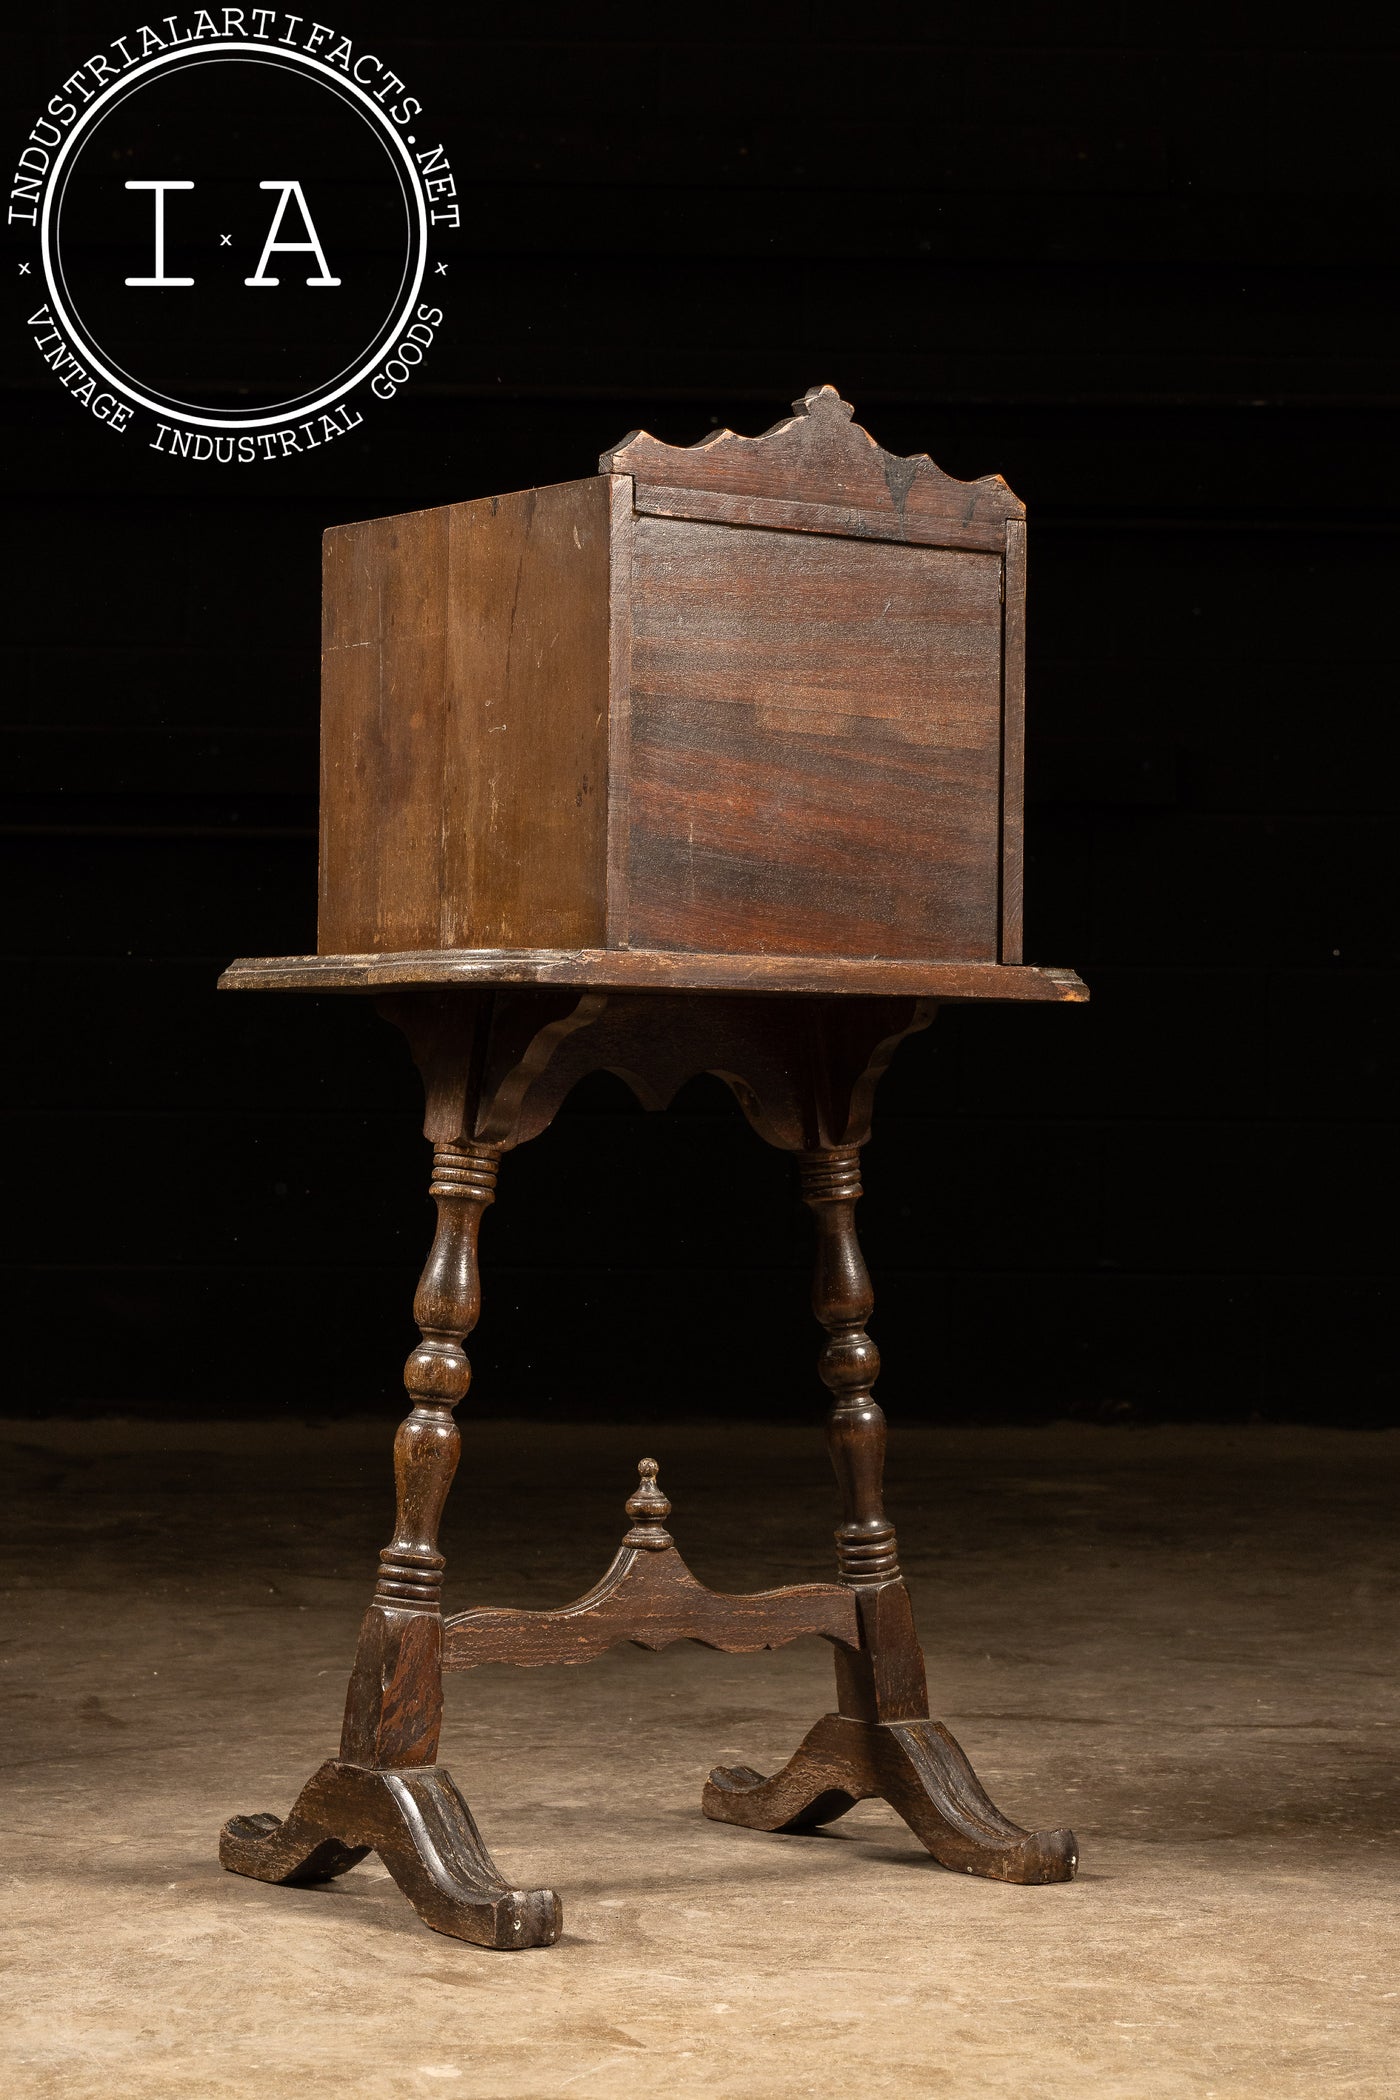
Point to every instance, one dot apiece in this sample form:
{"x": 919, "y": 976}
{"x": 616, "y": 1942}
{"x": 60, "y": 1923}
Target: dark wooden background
{"x": 1143, "y": 270}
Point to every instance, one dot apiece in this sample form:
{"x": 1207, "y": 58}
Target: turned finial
{"x": 648, "y": 1508}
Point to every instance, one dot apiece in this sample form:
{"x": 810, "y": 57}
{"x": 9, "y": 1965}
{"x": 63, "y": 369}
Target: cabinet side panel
{"x": 816, "y": 745}
{"x": 383, "y": 659}
{"x": 1013, "y": 744}
{"x": 525, "y": 800}
{"x": 619, "y": 710}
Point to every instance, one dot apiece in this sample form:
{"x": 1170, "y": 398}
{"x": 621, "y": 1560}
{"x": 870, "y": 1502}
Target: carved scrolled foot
{"x": 422, "y": 1829}
{"x": 800, "y": 1797}
{"x": 922, "y": 1772}
{"x": 926, "y": 1778}
{"x": 786, "y": 1802}
{"x": 287, "y": 1850}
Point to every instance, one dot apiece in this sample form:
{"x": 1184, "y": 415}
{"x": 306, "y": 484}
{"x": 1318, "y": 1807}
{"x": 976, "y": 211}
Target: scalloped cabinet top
{"x": 759, "y": 697}
{"x": 819, "y": 456}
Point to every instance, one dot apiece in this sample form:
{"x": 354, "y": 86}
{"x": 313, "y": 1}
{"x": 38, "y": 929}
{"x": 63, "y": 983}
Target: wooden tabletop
{"x": 614, "y": 969}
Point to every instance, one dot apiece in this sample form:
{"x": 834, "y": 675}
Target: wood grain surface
{"x": 815, "y": 745}
{"x": 422, "y": 1829}
{"x": 837, "y": 520}
{"x": 464, "y": 723}
{"x": 819, "y": 455}
{"x": 760, "y": 696}
{"x": 1013, "y": 748}
{"x": 384, "y": 719}
{"x": 641, "y": 970}
{"x": 497, "y": 1060}
{"x": 649, "y": 1597}
{"x": 924, "y": 1774}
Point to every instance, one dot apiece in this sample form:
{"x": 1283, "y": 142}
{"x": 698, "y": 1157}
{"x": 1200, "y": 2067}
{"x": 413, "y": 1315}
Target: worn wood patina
{"x": 711, "y": 763}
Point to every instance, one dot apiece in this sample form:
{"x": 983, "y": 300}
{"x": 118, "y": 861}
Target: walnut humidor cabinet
{"x": 710, "y": 762}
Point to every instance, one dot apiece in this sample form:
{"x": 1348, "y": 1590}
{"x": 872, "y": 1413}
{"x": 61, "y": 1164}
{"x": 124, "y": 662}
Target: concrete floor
{"x": 1181, "y": 1641}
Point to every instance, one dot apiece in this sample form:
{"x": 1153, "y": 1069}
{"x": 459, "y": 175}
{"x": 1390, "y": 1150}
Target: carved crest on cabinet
{"x": 821, "y": 455}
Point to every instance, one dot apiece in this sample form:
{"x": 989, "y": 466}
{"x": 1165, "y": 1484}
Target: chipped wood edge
{"x": 653, "y": 970}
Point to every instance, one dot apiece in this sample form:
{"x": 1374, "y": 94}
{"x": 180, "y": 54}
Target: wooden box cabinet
{"x": 710, "y": 763}
{"x": 759, "y": 696}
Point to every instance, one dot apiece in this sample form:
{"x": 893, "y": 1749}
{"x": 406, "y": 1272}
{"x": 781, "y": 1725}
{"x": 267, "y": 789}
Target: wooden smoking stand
{"x": 708, "y": 763}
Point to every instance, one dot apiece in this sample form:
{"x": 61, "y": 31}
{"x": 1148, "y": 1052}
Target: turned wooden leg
{"x": 384, "y": 1791}
{"x": 881, "y": 1740}
{"x": 885, "y": 1680}
{"x": 393, "y": 1711}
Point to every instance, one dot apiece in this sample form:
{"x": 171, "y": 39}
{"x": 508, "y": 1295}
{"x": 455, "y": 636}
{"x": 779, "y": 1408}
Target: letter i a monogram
{"x": 199, "y": 355}
{"x": 272, "y": 246}
{"x": 160, "y": 279}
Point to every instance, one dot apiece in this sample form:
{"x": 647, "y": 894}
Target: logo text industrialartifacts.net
{"x": 232, "y": 212}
